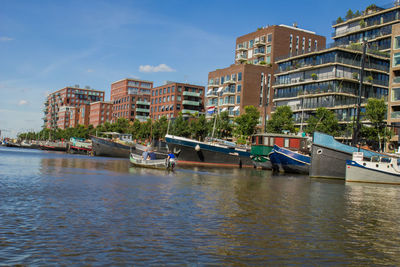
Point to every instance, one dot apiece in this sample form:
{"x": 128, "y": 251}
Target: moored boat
{"x": 162, "y": 164}
{"x": 53, "y": 146}
{"x": 328, "y": 157}
{"x": 263, "y": 144}
{"x": 380, "y": 170}
{"x": 218, "y": 153}
{"x": 290, "y": 161}
{"x": 79, "y": 146}
{"x": 120, "y": 146}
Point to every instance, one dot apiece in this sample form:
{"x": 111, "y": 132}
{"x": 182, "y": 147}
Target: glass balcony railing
{"x": 143, "y": 103}
{"x": 396, "y": 79}
{"x": 395, "y": 114}
{"x": 191, "y": 103}
{"x": 189, "y": 111}
{"x": 146, "y": 110}
{"x": 187, "y": 93}
{"x": 142, "y": 118}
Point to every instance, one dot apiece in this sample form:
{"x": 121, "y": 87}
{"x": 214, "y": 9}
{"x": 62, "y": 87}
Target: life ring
{"x": 391, "y": 146}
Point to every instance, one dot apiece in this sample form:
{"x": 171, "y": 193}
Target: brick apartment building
{"x": 131, "y": 99}
{"x": 100, "y": 112}
{"x": 260, "y": 49}
{"x": 63, "y": 107}
{"x": 171, "y": 98}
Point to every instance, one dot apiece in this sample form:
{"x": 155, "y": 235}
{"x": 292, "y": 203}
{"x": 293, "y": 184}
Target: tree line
{"x": 186, "y": 125}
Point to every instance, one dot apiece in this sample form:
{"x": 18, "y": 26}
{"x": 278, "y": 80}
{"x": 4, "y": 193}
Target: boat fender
{"x": 197, "y": 148}
{"x": 391, "y": 146}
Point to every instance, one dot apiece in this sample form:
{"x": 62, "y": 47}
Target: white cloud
{"x": 90, "y": 70}
{"x": 159, "y": 68}
{"x": 22, "y": 102}
{"x": 5, "y": 39}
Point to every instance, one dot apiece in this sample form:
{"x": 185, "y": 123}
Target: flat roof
{"x": 132, "y": 79}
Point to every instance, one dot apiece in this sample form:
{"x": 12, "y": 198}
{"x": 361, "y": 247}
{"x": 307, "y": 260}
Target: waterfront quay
{"x": 63, "y": 209}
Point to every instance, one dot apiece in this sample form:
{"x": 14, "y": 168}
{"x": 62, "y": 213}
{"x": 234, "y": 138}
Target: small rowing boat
{"x": 162, "y": 164}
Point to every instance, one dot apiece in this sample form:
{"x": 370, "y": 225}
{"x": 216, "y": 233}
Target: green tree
{"x": 180, "y": 127}
{"x": 323, "y": 121}
{"x": 200, "y": 127}
{"x": 121, "y": 125}
{"x": 281, "y": 120}
{"x": 376, "y": 112}
{"x": 160, "y": 127}
{"x": 349, "y": 14}
{"x": 247, "y": 122}
{"x": 223, "y": 127}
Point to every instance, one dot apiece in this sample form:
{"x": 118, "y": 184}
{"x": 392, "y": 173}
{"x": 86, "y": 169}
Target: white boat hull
{"x": 378, "y": 172}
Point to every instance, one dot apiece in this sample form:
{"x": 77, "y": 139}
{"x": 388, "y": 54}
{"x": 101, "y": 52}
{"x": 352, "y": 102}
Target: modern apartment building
{"x": 374, "y": 25}
{"x": 173, "y": 97}
{"x": 100, "y": 112}
{"x": 62, "y": 107}
{"x": 131, "y": 99}
{"x": 329, "y": 78}
{"x": 255, "y": 57}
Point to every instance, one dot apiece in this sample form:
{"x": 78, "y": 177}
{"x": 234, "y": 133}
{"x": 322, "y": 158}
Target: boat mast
{"x": 215, "y": 120}
{"x": 356, "y": 130}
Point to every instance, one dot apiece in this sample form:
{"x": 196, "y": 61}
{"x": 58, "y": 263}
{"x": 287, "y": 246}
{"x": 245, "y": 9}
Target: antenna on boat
{"x": 215, "y": 120}
{"x": 356, "y": 130}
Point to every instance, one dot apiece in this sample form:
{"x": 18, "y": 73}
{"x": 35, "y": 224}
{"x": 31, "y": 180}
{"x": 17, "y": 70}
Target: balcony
{"x": 241, "y": 48}
{"x": 395, "y": 115}
{"x": 228, "y": 104}
{"x": 191, "y": 111}
{"x": 191, "y": 103}
{"x": 241, "y": 57}
{"x": 143, "y": 103}
{"x": 142, "y": 118}
{"x": 146, "y": 110}
{"x": 259, "y": 43}
{"x": 212, "y": 94}
{"x": 229, "y": 92}
{"x": 187, "y": 93}
{"x": 230, "y": 82}
{"x": 258, "y": 52}
{"x": 396, "y": 79}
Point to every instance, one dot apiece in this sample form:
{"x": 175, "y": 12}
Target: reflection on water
{"x": 67, "y": 209}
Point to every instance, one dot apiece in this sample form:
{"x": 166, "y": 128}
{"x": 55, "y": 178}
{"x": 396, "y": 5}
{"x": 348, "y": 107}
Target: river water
{"x": 60, "y": 209}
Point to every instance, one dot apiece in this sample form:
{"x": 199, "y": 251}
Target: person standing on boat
{"x": 171, "y": 160}
{"x": 145, "y": 154}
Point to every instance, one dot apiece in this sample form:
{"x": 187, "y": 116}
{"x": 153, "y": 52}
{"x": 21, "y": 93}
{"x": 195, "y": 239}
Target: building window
{"x": 173, "y": 89}
{"x": 167, "y": 98}
{"x": 395, "y": 94}
{"x": 396, "y": 59}
{"x": 239, "y": 76}
{"x": 179, "y": 89}
{"x": 268, "y": 49}
{"x": 239, "y": 88}
{"x": 396, "y": 44}
{"x": 269, "y": 38}
{"x": 160, "y": 92}
{"x": 316, "y": 45}
{"x": 172, "y": 98}
{"x": 163, "y": 99}
{"x": 178, "y": 98}
{"x": 251, "y": 43}
{"x": 155, "y": 101}
{"x": 165, "y": 91}
{"x": 178, "y": 106}
{"x": 268, "y": 59}
{"x": 238, "y": 99}
{"x": 169, "y": 89}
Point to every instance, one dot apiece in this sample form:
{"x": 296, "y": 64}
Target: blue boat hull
{"x": 289, "y": 161}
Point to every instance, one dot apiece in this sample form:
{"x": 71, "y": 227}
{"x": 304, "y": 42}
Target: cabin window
{"x": 286, "y": 142}
{"x": 266, "y": 141}
{"x": 253, "y": 140}
{"x": 271, "y": 141}
{"x": 260, "y": 140}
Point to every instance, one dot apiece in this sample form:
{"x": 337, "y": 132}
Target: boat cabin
{"x": 262, "y": 144}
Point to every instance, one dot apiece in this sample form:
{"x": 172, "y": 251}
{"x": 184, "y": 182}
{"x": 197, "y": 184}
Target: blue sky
{"x": 47, "y": 45}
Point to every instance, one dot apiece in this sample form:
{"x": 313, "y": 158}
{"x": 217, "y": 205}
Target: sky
{"x": 46, "y": 45}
